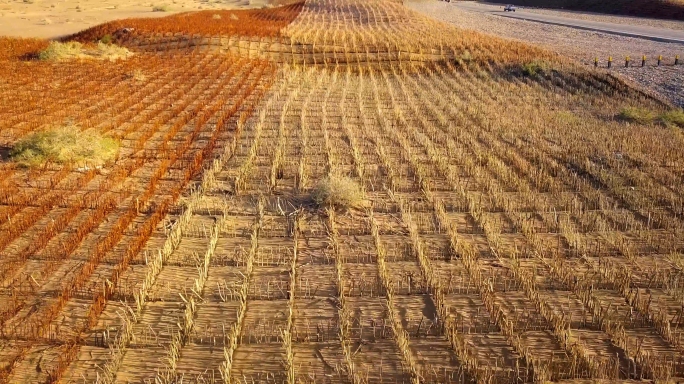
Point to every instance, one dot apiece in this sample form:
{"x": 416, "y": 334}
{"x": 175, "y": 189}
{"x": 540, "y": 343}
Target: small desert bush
{"x": 644, "y": 116}
{"x": 64, "y": 145}
{"x": 137, "y": 75}
{"x": 57, "y": 51}
{"x": 637, "y": 115}
{"x": 674, "y": 117}
{"x": 110, "y": 52}
{"x": 160, "y": 8}
{"x": 106, "y": 39}
{"x": 532, "y": 69}
{"x": 337, "y": 192}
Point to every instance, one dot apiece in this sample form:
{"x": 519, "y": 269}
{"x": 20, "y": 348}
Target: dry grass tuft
{"x": 57, "y": 51}
{"x": 107, "y": 39}
{"x": 674, "y": 117}
{"x": 160, "y": 8}
{"x": 534, "y": 68}
{"x": 337, "y": 192}
{"x": 61, "y": 51}
{"x": 638, "y": 115}
{"x": 65, "y": 145}
{"x": 644, "y": 116}
{"x": 137, "y": 75}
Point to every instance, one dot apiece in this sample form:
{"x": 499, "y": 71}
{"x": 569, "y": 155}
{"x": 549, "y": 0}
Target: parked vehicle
{"x": 509, "y": 8}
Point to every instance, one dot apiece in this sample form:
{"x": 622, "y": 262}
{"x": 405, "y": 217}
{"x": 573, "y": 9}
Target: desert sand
{"x": 54, "y": 18}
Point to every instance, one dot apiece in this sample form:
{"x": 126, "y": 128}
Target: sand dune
{"x": 54, "y": 18}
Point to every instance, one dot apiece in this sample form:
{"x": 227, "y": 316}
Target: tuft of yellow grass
{"x": 137, "y": 75}
{"x": 70, "y": 50}
{"x": 65, "y": 145}
{"x": 61, "y": 51}
{"x": 638, "y": 115}
{"x": 337, "y": 192}
{"x": 674, "y": 117}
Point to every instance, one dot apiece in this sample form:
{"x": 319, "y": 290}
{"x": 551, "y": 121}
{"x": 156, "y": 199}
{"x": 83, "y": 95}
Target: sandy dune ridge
{"x": 55, "y": 18}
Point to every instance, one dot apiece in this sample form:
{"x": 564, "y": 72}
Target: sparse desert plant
{"x": 216, "y": 16}
{"x": 61, "y": 51}
{"x": 337, "y": 192}
{"x": 675, "y": 117}
{"x": 65, "y": 145}
{"x": 160, "y": 8}
{"x": 57, "y": 51}
{"x": 106, "y": 39}
{"x": 533, "y": 68}
{"x": 637, "y": 115}
{"x": 137, "y": 75}
{"x": 109, "y": 52}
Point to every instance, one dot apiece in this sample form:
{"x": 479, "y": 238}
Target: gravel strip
{"x": 656, "y": 23}
{"x": 667, "y": 81}
{"x": 581, "y": 45}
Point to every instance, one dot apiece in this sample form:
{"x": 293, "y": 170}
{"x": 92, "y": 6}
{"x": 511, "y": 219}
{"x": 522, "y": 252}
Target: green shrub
{"x": 638, "y": 115}
{"x": 674, "y": 117}
{"x": 337, "y": 192}
{"x": 106, "y": 39}
{"x": 64, "y": 145}
{"x": 56, "y": 51}
{"x": 532, "y": 69}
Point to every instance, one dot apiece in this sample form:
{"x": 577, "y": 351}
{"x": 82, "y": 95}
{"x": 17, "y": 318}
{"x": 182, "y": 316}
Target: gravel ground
{"x": 667, "y": 81}
{"x": 581, "y": 45}
{"x": 670, "y": 24}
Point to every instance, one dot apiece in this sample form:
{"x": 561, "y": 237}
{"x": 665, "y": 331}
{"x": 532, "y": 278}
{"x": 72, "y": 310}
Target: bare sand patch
{"x": 55, "y": 18}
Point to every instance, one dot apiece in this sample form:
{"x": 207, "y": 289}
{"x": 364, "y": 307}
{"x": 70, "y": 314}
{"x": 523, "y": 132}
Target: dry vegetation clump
{"x": 61, "y": 51}
{"x": 638, "y": 115}
{"x": 58, "y": 51}
{"x": 337, "y": 192}
{"x": 674, "y": 117}
{"x": 137, "y": 75}
{"x": 534, "y": 68}
{"x": 65, "y": 145}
